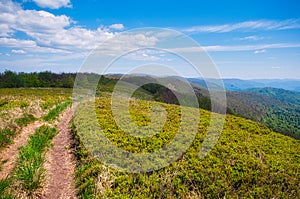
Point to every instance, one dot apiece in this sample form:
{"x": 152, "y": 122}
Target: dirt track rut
{"x": 60, "y": 163}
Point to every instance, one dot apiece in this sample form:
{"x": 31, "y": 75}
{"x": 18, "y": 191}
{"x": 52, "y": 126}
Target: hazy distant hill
{"x": 238, "y": 84}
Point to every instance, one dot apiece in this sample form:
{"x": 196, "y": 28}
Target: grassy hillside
{"x": 249, "y": 160}
{"x": 276, "y": 108}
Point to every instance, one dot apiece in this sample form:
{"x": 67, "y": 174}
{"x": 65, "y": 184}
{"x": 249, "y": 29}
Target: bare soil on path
{"x": 10, "y": 154}
{"x": 60, "y": 163}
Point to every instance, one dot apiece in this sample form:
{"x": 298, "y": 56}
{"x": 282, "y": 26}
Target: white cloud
{"x": 18, "y": 51}
{"x": 28, "y": 46}
{"x": 117, "y": 26}
{"x": 16, "y": 43}
{"x": 260, "y": 51}
{"x": 145, "y": 55}
{"x": 248, "y": 26}
{"x": 55, "y": 33}
{"x": 5, "y": 31}
{"x": 53, "y": 4}
{"x": 56, "y": 39}
{"x": 276, "y": 67}
{"x": 237, "y": 47}
{"x": 251, "y": 38}
{"x": 13, "y": 18}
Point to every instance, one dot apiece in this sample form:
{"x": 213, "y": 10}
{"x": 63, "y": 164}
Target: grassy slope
{"x": 276, "y": 108}
{"x": 249, "y": 160}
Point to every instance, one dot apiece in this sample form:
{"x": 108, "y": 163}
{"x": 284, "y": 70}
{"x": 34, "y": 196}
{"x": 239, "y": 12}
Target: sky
{"x": 249, "y": 39}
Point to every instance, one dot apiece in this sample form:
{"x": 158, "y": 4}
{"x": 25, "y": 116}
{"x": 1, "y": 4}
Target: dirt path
{"x": 60, "y": 164}
{"x": 10, "y": 154}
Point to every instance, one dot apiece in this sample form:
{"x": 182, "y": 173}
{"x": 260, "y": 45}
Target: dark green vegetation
{"x": 278, "y": 94}
{"x": 248, "y": 161}
{"x": 10, "y": 79}
{"x": 29, "y": 172}
{"x": 56, "y": 111}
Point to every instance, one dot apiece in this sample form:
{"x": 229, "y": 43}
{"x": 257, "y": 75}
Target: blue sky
{"x": 247, "y": 39}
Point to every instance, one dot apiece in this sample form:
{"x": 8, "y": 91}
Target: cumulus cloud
{"x": 53, "y": 4}
{"x": 55, "y": 33}
{"x": 13, "y": 18}
{"x": 117, "y": 26}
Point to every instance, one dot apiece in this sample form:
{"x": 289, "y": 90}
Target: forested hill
{"x": 277, "y": 108}
{"x": 277, "y": 93}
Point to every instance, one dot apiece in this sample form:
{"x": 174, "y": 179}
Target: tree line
{"x": 10, "y": 79}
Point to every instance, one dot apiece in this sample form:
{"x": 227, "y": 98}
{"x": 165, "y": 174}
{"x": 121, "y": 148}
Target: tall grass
{"x": 4, "y": 184}
{"x": 26, "y": 119}
{"x": 56, "y": 111}
{"x": 29, "y": 171}
{"x": 6, "y": 137}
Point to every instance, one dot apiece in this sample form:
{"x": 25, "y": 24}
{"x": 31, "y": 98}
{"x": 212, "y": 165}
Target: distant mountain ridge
{"x": 239, "y": 84}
